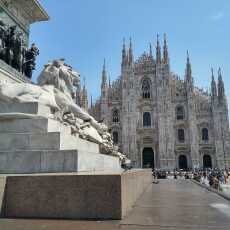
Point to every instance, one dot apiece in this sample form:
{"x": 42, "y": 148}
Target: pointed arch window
{"x": 180, "y": 115}
{"x": 115, "y": 116}
{"x": 205, "y": 136}
{"x": 147, "y": 119}
{"x": 146, "y": 89}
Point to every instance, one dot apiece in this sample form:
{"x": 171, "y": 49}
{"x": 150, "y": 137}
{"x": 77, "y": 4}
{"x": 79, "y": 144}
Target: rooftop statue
{"x": 55, "y": 89}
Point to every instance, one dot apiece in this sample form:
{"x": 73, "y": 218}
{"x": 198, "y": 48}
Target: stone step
{"x": 45, "y": 141}
{"x": 29, "y": 141}
{"x": 33, "y": 108}
{"x": 74, "y": 142}
{"x": 49, "y": 161}
{"x": 38, "y": 161}
{"x": 36, "y": 125}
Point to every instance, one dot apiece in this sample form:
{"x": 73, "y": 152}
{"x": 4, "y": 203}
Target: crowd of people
{"x": 209, "y": 177}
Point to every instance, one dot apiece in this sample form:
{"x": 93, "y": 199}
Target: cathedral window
{"x": 147, "y": 119}
{"x": 146, "y": 89}
{"x": 115, "y": 137}
{"x": 180, "y": 113}
{"x": 115, "y": 116}
{"x": 205, "y": 134}
{"x": 181, "y": 136}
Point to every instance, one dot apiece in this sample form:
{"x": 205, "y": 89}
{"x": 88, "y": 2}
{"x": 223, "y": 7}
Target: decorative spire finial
{"x": 158, "y": 51}
{"x": 91, "y": 101}
{"x": 104, "y": 75}
{"x": 124, "y": 58}
{"x": 219, "y": 73}
{"x": 221, "y": 90}
{"x": 166, "y": 57}
{"x": 150, "y": 50}
{"x": 104, "y": 65}
{"x": 123, "y": 43}
{"x": 188, "y": 69}
{"x": 130, "y": 51}
{"x": 84, "y": 82}
{"x": 213, "y": 85}
{"x": 188, "y": 59}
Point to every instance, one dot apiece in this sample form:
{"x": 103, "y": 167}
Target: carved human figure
{"x": 10, "y": 43}
{"x": 30, "y": 58}
{"x": 2, "y": 39}
{"x": 18, "y": 52}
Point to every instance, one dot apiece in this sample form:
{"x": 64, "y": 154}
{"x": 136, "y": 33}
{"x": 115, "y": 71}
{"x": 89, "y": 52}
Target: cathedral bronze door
{"x": 207, "y": 161}
{"x": 183, "y": 164}
{"x": 148, "y": 158}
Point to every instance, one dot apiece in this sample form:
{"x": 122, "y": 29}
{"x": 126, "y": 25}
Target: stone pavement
{"x": 169, "y": 205}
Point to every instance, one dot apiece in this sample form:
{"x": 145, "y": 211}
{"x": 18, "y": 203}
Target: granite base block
{"x": 74, "y": 196}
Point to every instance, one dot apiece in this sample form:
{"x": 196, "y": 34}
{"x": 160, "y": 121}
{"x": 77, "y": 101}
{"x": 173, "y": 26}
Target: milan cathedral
{"x": 160, "y": 120}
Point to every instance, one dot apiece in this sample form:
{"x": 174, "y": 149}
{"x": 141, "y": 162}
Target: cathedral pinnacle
{"x": 150, "y": 50}
{"x": 84, "y": 83}
{"x": 158, "y": 51}
{"x": 91, "y": 101}
{"x": 130, "y": 51}
{"x": 188, "y": 68}
{"x": 213, "y": 85}
{"x": 104, "y": 76}
{"x": 109, "y": 82}
{"x": 221, "y": 90}
{"x": 123, "y": 53}
{"x": 219, "y": 74}
{"x": 188, "y": 73}
{"x": 166, "y": 56}
{"x": 213, "y": 78}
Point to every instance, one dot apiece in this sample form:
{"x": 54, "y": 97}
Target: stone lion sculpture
{"x": 55, "y": 89}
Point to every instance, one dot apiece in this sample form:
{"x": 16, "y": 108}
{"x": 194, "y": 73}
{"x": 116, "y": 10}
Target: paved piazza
{"x": 171, "y": 204}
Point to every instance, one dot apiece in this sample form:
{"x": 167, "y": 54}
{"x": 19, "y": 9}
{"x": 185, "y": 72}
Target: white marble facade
{"x": 158, "y": 119}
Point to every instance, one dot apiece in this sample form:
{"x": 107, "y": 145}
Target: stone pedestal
{"x": 74, "y": 196}
{"x": 33, "y": 143}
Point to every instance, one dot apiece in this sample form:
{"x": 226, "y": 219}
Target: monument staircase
{"x": 32, "y": 143}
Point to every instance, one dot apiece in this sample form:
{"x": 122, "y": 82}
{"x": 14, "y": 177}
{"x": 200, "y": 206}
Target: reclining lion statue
{"x": 55, "y": 89}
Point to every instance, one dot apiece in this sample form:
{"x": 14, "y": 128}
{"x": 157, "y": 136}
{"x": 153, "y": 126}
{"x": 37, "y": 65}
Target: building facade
{"x": 159, "y": 120}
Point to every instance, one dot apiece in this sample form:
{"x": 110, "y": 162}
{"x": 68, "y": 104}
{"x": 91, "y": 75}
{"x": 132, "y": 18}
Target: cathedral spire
{"x": 83, "y": 82}
{"x": 165, "y": 54}
{"x": 150, "y": 50}
{"x": 213, "y": 85}
{"x": 109, "y": 82}
{"x": 123, "y": 53}
{"x": 188, "y": 72}
{"x": 158, "y": 51}
{"x": 104, "y": 76}
{"x": 188, "y": 75}
{"x": 84, "y": 96}
{"x": 130, "y": 51}
{"x": 91, "y": 101}
{"x": 221, "y": 92}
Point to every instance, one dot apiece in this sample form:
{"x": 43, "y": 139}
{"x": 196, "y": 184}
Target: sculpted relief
{"x": 55, "y": 89}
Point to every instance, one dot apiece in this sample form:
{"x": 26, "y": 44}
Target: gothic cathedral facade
{"x": 159, "y": 120}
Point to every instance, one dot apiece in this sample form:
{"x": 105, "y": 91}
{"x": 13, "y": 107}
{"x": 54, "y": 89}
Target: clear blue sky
{"x": 85, "y": 32}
